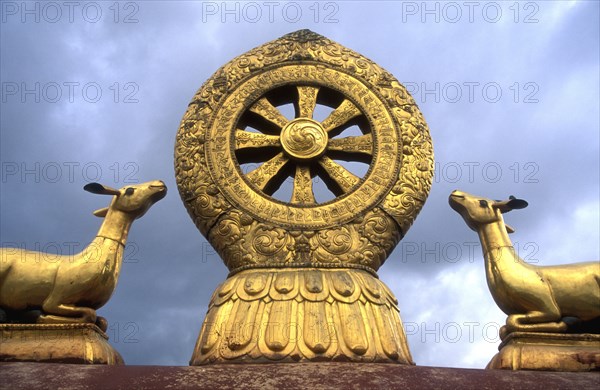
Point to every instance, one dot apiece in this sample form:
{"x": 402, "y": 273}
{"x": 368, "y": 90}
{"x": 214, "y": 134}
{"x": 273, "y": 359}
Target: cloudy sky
{"x": 95, "y": 91}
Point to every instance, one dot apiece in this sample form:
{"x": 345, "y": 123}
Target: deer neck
{"x": 109, "y": 245}
{"x": 496, "y": 245}
{"x": 494, "y": 235}
{"x": 116, "y": 226}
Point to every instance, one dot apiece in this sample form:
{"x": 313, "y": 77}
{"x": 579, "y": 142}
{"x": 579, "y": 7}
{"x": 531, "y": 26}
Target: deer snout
{"x": 158, "y": 184}
{"x": 457, "y": 194}
{"x": 455, "y": 197}
{"x": 160, "y": 190}
{"x": 457, "y": 202}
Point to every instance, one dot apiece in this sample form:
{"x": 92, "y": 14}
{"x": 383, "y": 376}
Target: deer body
{"x": 535, "y": 298}
{"x": 70, "y": 288}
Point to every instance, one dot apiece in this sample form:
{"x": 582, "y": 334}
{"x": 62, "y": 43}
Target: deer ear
{"x": 515, "y": 203}
{"x": 101, "y": 212}
{"x": 502, "y": 206}
{"x": 511, "y": 204}
{"x": 97, "y": 188}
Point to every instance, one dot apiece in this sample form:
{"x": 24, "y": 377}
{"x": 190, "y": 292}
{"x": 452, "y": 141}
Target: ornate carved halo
{"x": 235, "y": 146}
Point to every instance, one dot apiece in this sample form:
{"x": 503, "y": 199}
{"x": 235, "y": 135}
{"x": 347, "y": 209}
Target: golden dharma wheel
{"x": 258, "y": 161}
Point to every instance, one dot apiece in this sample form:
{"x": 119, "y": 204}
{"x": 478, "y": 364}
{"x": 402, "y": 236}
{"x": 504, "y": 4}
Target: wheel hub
{"x": 304, "y": 139}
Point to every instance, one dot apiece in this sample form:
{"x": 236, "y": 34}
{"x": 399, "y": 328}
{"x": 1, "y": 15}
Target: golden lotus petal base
{"x": 56, "y": 343}
{"x": 548, "y": 352}
{"x": 303, "y": 314}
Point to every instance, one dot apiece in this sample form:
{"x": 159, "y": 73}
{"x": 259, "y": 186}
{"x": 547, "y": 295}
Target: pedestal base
{"x": 548, "y": 352}
{"x": 56, "y": 343}
{"x": 302, "y": 315}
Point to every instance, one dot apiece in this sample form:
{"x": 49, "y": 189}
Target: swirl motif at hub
{"x": 304, "y": 139}
{"x": 303, "y": 163}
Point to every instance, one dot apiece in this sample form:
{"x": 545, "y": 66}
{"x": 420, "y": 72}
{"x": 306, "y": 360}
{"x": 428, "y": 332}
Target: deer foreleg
{"x": 534, "y": 321}
{"x": 62, "y": 314}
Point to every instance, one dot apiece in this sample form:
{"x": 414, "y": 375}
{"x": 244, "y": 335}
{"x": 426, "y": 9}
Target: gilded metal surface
{"x": 302, "y": 68}
{"x": 536, "y": 298}
{"x": 69, "y": 289}
{"x": 81, "y": 343}
{"x": 277, "y": 248}
{"x": 302, "y": 313}
{"x": 304, "y": 139}
{"x": 548, "y": 352}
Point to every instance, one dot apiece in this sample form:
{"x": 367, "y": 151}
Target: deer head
{"x": 133, "y": 199}
{"x": 478, "y": 211}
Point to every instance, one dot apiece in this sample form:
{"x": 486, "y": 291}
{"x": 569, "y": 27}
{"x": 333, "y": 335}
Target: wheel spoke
{"x": 261, "y": 176}
{"x": 341, "y": 115}
{"x": 266, "y": 110}
{"x": 362, "y": 144}
{"x": 340, "y": 175}
{"x": 303, "y": 192}
{"x": 248, "y": 140}
{"x": 307, "y": 100}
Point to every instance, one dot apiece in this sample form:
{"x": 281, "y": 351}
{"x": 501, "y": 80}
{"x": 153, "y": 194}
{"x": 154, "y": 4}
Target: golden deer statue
{"x": 535, "y": 298}
{"x": 71, "y": 288}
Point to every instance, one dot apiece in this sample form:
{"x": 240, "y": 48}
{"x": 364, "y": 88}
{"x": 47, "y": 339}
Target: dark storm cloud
{"x": 538, "y": 140}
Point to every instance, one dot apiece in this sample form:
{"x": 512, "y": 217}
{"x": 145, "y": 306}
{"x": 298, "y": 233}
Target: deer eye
{"x": 483, "y": 203}
{"x": 129, "y": 191}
